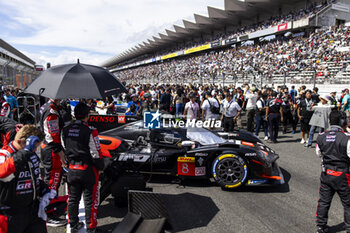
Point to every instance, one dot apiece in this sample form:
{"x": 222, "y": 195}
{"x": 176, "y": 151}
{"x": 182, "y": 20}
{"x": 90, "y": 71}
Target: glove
{"x": 31, "y": 143}
{"x": 45, "y": 201}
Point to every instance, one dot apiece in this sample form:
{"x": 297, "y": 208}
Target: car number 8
{"x": 185, "y": 169}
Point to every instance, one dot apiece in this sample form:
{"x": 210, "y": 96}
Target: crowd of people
{"x": 276, "y": 57}
{"x": 307, "y": 12}
{"x": 266, "y": 110}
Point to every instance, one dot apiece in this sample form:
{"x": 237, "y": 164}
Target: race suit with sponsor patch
{"x": 334, "y": 148}
{"x": 51, "y": 124}
{"x": 7, "y": 130}
{"x": 84, "y": 155}
{"x": 20, "y": 187}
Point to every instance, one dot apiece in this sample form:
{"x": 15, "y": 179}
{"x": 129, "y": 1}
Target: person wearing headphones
{"x": 333, "y": 147}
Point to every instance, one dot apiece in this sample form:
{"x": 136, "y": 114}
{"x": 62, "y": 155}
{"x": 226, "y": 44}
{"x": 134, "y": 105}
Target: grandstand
{"x": 15, "y": 68}
{"x": 262, "y": 41}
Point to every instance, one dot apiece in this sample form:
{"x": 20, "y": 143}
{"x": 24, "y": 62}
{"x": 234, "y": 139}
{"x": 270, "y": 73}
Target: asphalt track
{"x": 201, "y": 206}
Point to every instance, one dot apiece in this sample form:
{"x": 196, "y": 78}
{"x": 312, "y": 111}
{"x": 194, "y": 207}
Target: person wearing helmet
{"x": 147, "y": 105}
{"x": 84, "y": 156}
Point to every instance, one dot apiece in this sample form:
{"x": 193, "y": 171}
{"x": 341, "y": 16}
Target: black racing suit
{"x": 84, "y": 155}
{"x": 7, "y": 130}
{"x": 274, "y": 117}
{"x": 51, "y": 124}
{"x": 18, "y": 196}
{"x": 334, "y": 148}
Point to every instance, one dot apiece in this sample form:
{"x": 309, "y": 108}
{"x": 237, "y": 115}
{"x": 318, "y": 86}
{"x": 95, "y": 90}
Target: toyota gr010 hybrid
{"x": 232, "y": 160}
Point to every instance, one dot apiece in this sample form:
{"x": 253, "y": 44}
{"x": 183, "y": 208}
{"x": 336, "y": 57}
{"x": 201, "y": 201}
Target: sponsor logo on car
{"x": 199, "y": 171}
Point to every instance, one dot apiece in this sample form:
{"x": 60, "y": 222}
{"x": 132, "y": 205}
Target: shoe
{"x": 302, "y": 141}
{"x": 56, "y": 222}
{"x": 307, "y": 145}
{"x": 322, "y": 229}
{"x": 77, "y": 227}
{"x": 293, "y": 132}
{"x": 270, "y": 141}
{"x": 266, "y": 138}
{"x": 95, "y": 230}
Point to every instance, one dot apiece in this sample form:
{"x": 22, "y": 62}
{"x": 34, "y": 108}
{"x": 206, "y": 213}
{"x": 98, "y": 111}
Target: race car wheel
{"x": 230, "y": 171}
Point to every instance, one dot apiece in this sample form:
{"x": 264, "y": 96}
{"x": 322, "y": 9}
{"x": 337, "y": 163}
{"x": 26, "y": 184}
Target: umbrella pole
{"x": 41, "y": 90}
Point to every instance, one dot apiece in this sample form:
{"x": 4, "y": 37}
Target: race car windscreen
{"x": 203, "y": 136}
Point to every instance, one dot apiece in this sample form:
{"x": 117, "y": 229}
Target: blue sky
{"x": 91, "y": 30}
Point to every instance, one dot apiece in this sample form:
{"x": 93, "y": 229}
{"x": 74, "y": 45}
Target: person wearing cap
{"x": 231, "y": 110}
{"x": 319, "y": 119}
{"x": 346, "y": 103}
{"x": 83, "y": 152}
{"x": 191, "y": 111}
{"x": 134, "y": 102}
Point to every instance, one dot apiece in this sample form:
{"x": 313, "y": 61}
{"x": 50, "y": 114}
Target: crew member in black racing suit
{"x": 8, "y": 129}
{"x": 334, "y": 148}
{"x": 84, "y": 156}
{"x": 274, "y": 114}
{"x": 21, "y": 186}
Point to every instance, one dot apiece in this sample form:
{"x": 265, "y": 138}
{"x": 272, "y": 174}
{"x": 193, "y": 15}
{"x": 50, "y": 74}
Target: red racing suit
{"x": 7, "y": 130}
{"x": 51, "y": 124}
{"x": 5, "y": 108}
{"x": 84, "y": 156}
{"x": 20, "y": 187}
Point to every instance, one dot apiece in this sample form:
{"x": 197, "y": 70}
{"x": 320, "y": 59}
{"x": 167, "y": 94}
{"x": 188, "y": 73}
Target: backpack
{"x": 213, "y": 109}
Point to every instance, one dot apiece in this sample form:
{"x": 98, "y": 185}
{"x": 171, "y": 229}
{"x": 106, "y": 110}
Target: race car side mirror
{"x": 187, "y": 143}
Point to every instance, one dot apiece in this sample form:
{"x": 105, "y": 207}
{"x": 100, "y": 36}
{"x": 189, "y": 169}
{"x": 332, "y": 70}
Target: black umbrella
{"x": 76, "y": 81}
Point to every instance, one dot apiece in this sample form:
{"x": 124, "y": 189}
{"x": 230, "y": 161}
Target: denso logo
{"x": 24, "y": 174}
{"x": 107, "y": 119}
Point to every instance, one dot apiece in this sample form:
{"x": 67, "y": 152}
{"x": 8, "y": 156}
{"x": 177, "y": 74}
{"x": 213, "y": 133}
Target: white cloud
{"x": 104, "y": 26}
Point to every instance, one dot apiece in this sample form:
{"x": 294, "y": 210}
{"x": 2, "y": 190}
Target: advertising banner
{"x": 171, "y": 55}
{"x": 197, "y": 49}
{"x": 301, "y": 23}
{"x": 265, "y": 32}
{"x": 283, "y": 26}
{"x": 215, "y": 43}
{"x": 231, "y": 40}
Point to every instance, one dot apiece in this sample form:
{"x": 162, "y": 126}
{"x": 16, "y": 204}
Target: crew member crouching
{"x": 21, "y": 187}
{"x": 83, "y": 152}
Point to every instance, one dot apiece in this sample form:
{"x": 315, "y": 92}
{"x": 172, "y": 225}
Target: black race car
{"x": 232, "y": 160}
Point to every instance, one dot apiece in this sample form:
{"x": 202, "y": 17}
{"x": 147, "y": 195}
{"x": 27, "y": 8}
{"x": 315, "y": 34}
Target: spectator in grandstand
{"x": 191, "y": 111}
{"x": 210, "y": 108}
{"x": 231, "y": 110}
{"x": 304, "y": 115}
{"x": 346, "y": 103}
{"x": 12, "y": 101}
{"x": 260, "y": 116}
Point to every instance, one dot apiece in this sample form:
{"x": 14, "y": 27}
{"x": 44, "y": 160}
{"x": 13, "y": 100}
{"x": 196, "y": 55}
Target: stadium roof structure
{"x": 11, "y": 49}
{"x": 235, "y": 13}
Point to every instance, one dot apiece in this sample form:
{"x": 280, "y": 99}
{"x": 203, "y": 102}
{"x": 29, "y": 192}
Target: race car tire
{"x": 229, "y": 171}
